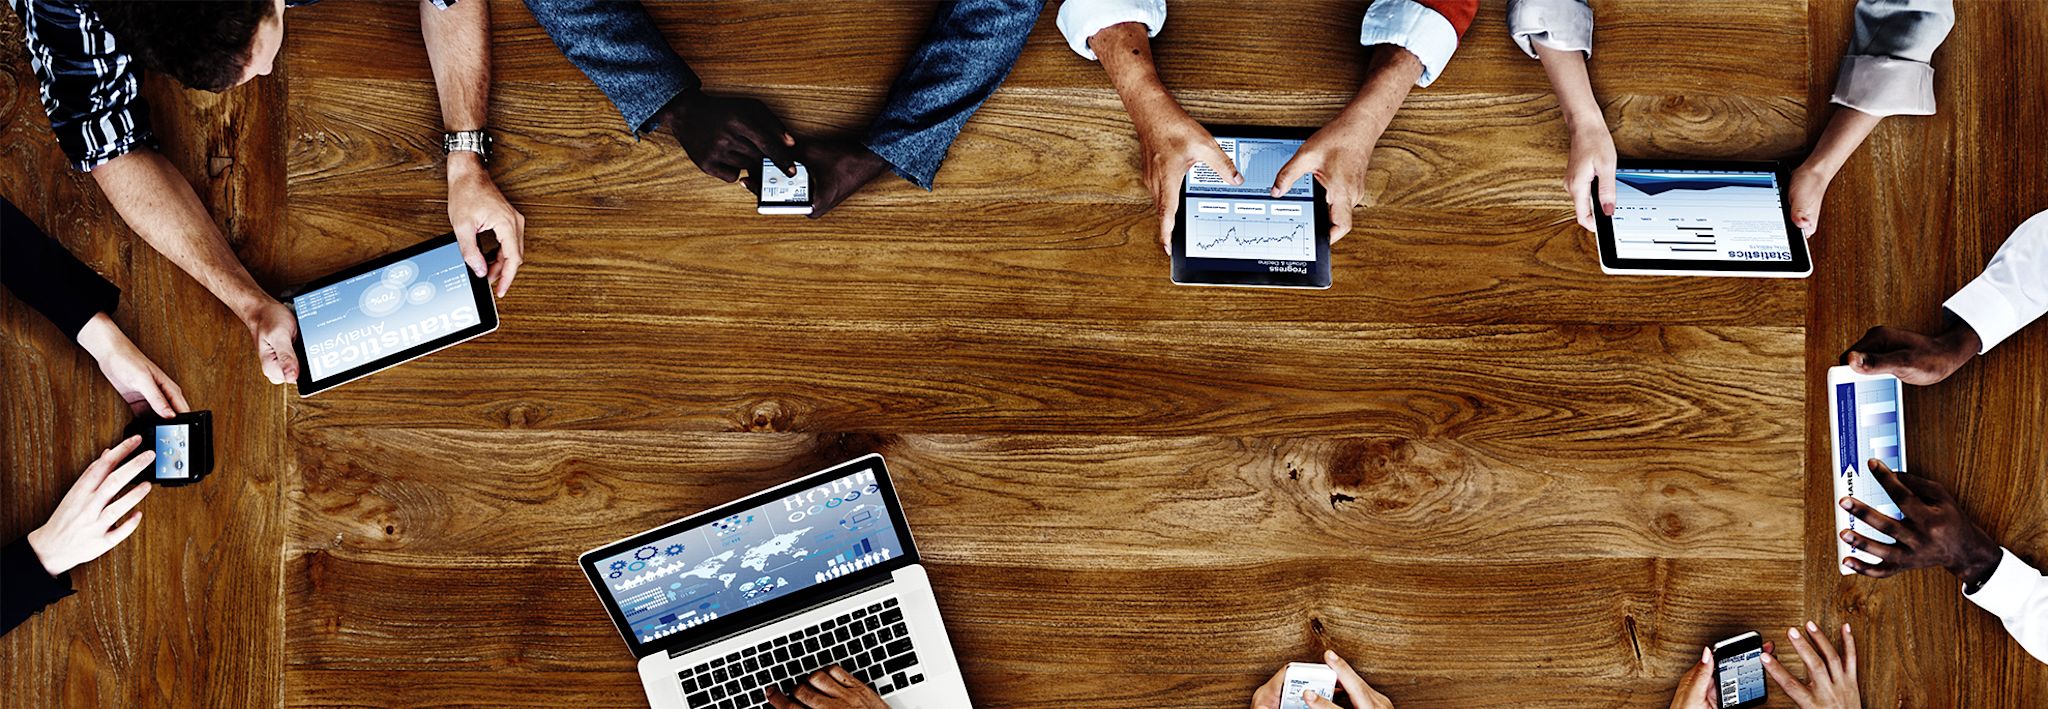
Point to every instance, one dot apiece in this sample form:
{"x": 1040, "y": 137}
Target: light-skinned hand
{"x": 474, "y": 206}
{"x": 94, "y": 515}
{"x": 1170, "y": 142}
{"x": 1337, "y": 155}
{"x": 1808, "y": 191}
{"x": 1589, "y": 174}
{"x": 273, "y": 327}
{"x": 1914, "y": 358}
{"x": 1935, "y": 531}
{"x": 141, "y": 383}
{"x": 1696, "y": 688}
{"x": 1363, "y": 696}
{"x": 1832, "y": 674}
{"x": 829, "y": 688}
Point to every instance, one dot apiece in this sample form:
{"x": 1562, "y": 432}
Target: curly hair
{"x": 203, "y": 44}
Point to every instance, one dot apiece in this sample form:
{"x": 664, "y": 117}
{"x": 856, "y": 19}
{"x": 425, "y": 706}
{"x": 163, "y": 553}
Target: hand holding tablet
{"x": 1701, "y": 218}
{"x": 388, "y": 311}
{"x": 1253, "y": 232}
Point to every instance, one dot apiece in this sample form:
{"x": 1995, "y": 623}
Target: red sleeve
{"x": 1459, "y": 12}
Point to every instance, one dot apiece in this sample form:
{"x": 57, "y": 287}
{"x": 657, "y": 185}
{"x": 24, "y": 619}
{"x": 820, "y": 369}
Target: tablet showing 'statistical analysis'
{"x": 747, "y": 556}
{"x": 1678, "y": 217}
{"x": 387, "y": 311}
{"x": 1240, "y": 235}
{"x": 1869, "y": 421}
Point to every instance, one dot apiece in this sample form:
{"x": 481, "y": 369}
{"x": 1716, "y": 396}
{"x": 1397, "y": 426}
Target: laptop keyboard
{"x": 872, "y": 643}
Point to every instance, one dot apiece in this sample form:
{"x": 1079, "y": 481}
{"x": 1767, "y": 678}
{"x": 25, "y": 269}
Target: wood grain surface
{"x": 187, "y": 611}
{"x": 1485, "y": 472}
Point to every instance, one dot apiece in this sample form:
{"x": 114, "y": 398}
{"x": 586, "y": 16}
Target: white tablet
{"x": 1702, "y": 218}
{"x": 1868, "y": 420}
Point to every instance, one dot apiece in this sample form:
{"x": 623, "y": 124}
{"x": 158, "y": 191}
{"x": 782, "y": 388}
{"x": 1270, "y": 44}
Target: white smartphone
{"x": 782, "y": 193}
{"x": 1306, "y": 677}
{"x": 1867, "y": 417}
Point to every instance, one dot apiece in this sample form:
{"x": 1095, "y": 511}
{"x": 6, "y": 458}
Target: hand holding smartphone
{"x": 1306, "y": 677}
{"x": 1739, "y": 671}
{"x": 183, "y": 445}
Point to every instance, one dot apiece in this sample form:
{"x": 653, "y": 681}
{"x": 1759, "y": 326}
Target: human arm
{"x": 93, "y": 517}
{"x": 1363, "y": 696}
{"x": 1885, "y": 72}
{"x": 458, "y": 41}
{"x": 1170, "y": 141}
{"x": 1560, "y": 34}
{"x": 1935, "y": 532}
{"x": 158, "y": 204}
{"x": 2010, "y": 293}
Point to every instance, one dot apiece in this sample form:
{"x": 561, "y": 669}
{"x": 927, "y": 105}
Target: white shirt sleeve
{"x": 1081, "y": 19}
{"x": 1886, "y": 72}
{"x": 1412, "y": 26}
{"x": 2018, "y": 595}
{"x": 1563, "y": 25}
{"x": 2013, "y": 290}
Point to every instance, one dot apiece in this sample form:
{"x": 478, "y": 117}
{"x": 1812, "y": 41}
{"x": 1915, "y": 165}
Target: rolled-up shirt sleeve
{"x": 91, "y": 86}
{"x": 2018, "y": 595}
{"x": 1563, "y": 25}
{"x": 1079, "y": 20}
{"x": 2012, "y": 291}
{"x": 1428, "y": 29}
{"x": 1886, "y": 71}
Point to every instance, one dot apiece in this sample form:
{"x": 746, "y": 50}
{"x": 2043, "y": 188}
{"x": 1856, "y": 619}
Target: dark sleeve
{"x": 48, "y": 278}
{"x": 25, "y": 587}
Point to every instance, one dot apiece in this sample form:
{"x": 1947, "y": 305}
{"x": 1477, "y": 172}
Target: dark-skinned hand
{"x": 1912, "y": 357}
{"x": 838, "y": 168}
{"x": 1934, "y": 532}
{"x": 727, "y": 135}
{"x": 829, "y": 688}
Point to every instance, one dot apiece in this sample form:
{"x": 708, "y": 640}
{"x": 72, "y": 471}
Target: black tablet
{"x": 387, "y": 311}
{"x": 1240, "y": 235}
{"x": 1702, "y": 218}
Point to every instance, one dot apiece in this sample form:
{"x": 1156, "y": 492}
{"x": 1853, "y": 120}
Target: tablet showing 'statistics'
{"x": 1241, "y": 234}
{"x": 390, "y": 310}
{"x": 1701, "y": 218}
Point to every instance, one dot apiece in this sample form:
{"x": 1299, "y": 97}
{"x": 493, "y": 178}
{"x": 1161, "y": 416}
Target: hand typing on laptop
{"x": 829, "y": 688}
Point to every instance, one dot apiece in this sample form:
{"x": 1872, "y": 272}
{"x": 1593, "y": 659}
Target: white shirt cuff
{"x": 1985, "y": 308}
{"x": 1563, "y": 25}
{"x": 2006, "y": 594}
{"x": 1079, "y": 20}
{"x": 1885, "y": 86}
{"x": 1412, "y": 26}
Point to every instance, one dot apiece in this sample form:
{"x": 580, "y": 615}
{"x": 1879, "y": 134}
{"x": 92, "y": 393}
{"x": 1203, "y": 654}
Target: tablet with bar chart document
{"x": 1867, "y": 420}
{"x": 1242, "y": 235}
{"x": 1700, "y": 218}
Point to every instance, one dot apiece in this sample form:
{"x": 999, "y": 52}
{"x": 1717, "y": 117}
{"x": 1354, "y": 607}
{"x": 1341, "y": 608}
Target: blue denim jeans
{"x": 969, "y": 48}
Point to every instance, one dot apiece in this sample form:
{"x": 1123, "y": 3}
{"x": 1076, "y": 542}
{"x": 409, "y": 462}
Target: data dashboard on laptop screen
{"x": 381, "y": 313}
{"x": 1245, "y": 222}
{"x": 1699, "y": 215}
{"x": 802, "y": 539}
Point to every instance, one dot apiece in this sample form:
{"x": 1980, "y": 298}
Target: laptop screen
{"x": 771, "y": 547}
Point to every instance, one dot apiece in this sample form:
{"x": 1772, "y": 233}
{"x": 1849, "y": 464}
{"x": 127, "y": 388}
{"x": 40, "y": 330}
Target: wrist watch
{"x": 475, "y": 141}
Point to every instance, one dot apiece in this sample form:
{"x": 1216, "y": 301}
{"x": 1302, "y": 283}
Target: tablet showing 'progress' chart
{"x": 1241, "y": 234}
{"x": 1701, "y": 219}
{"x": 388, "y": 311}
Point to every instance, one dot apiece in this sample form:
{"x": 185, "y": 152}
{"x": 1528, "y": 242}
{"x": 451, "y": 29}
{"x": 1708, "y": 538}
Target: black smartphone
{"x": 1739, "y": 671}
{"x": 782, "y": 193}
{"x": 183, "y": 445}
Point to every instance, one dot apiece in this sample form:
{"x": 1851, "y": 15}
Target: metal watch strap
{"x": 475, "y": 141}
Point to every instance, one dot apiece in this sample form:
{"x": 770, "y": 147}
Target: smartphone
{"x": 1867, "y": 416}
{"x": 782, "y": 193}
{"x": 183, "y": 445}
{"x": 1739, "y": 671}
{"x": 1306, "y": 677}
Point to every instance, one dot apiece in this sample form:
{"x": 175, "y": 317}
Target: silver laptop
{"x": 761, "y": 592}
